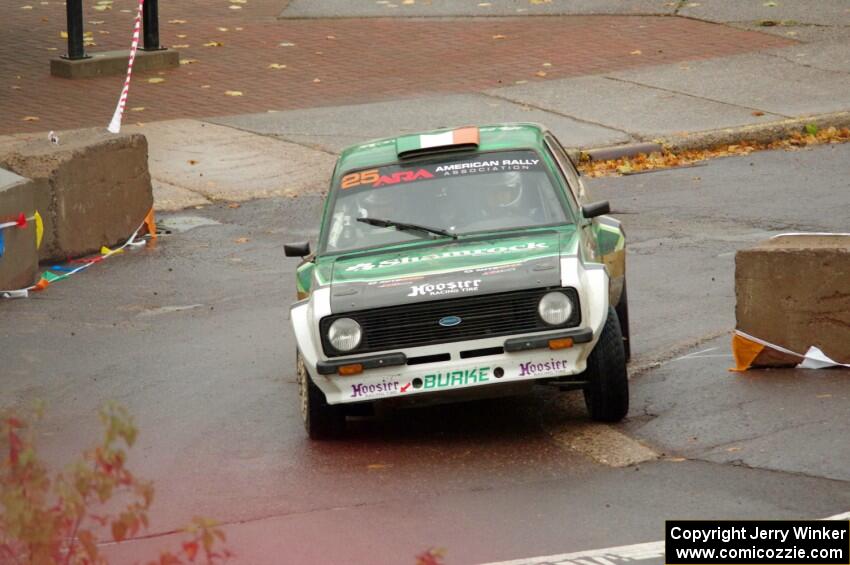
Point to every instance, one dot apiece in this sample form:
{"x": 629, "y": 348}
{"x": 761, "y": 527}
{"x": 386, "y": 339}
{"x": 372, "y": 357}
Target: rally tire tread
{"x": 622, "y": 310}
{"x": 322, "y": 421}
{"x": 607, "y": 393}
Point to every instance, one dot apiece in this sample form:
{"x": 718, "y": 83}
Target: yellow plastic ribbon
{"x": 39, "y": 229}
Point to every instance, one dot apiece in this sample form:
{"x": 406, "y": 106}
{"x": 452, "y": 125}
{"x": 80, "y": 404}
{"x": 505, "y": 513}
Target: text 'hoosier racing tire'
{"x": 607, "y": 391}
{"x": 321, "y": 420}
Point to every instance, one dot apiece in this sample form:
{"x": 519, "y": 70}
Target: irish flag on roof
{"x": 462, "y": 136}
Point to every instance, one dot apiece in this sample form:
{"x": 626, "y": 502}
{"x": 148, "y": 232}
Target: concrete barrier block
{"x": 794, "y": 291}
{"x": 93, "y": 189}
{"x": 19, "y": 259}
{"x": 109, "y": 63}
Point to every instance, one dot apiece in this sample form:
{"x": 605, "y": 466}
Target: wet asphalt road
{"x": 193, "y": 337}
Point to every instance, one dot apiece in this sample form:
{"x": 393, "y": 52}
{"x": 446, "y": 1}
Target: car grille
{"x": 414, "y": 325}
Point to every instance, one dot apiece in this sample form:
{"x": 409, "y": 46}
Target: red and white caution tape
{"x": 115, "y": 124}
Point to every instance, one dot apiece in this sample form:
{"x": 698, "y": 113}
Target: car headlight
{"x": 345, "y": 334}
{"x": 555, "y": 308}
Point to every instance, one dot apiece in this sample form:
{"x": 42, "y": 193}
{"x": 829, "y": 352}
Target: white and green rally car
{"x": 455, "y": 264}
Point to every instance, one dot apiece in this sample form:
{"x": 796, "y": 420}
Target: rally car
{"x": 454, "y": 264}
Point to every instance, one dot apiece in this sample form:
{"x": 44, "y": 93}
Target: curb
{"x": 760, "y": 133}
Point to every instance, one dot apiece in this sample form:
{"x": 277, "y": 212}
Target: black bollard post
{"x": 150, "y": 17}
{"x": 74, "y": 11}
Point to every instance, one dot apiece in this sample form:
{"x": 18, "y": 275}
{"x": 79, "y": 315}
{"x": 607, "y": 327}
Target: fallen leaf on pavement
{"x": 667, "y": 159}
{"x": 824, "y": 396}
{"x": 102, "y": 8}
{"x": 138, "y": 109}
{"x": 499, "y": 36}
{"x": 233, "y": 93}
{"x": 180, "y": 46}
{"x": 96, "y": 22}
{"x": 156, "y": 80}
{"x": 188, "y": 61}
{"x": 233, "y": 7}
{"x": 636, "y": 52}
{"x": 377, "y": 466}
{"x": 30, "y": 118}
{"x": 540, "y": 73}
{"x": 317, "y": 80}
{"x": 192, "y": 162}
{"x": 242, "y": 240}
{"x": 63, "y": 34}
{"x": 234, "y": 205}
{"x": 177, "y": 21}
{"x": 181, "y": 35}
{"x": 731, "y": 449}
{"x": 26, "y": 7}
{"x": 331, "y": 37}
{"x": 286, "y": 44}
{"x": 221, "y": 28}
{"x": 757, "y": 113}
{"x": 214, "y": 44}
{"x": 277, "y": 66}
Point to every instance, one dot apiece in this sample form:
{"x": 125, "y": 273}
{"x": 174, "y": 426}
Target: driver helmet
{"x": 507, "y": 191}
{"x": 373, "y": 204}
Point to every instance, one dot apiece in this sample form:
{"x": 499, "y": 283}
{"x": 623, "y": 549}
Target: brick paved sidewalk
{"x": 327, "y": 62}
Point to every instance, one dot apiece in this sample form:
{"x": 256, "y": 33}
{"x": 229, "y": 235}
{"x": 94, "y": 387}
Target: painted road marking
{"x": 611, "y": 555}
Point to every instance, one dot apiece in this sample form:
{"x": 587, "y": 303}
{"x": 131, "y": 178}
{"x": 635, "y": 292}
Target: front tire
{"x": 321, "y": 420}
{"x": 607, "y": 391}
{"x": 622, "y": 310}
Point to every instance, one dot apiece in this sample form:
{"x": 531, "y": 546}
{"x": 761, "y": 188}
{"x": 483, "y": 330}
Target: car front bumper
{"x": 522, "y": 358}
{"x": 465, "y": 365}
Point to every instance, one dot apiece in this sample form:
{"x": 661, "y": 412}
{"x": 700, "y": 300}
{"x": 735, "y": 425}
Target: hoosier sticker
{"x": 439, "y": 289}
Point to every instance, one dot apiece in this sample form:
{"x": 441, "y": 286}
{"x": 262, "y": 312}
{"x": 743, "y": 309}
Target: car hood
{"x": 456, "y": 268}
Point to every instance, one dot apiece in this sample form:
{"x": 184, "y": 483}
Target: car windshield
{"x": 473, "y": 193}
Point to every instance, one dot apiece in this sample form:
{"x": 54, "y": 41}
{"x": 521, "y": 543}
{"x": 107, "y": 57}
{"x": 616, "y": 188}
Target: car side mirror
{"x": 300, "y": 249}
{"x": 596, "y": 209}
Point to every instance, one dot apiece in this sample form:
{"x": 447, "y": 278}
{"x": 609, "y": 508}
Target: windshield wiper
{"x": 403, "y": 226}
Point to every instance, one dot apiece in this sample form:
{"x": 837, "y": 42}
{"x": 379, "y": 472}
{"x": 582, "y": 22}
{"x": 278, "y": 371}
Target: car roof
{"x": 519, "y": 135}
